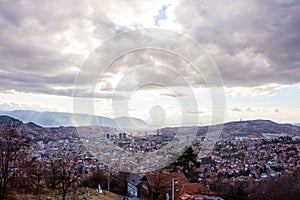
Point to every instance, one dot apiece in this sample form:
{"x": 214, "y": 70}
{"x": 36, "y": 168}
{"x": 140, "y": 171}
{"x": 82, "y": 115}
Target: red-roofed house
{"x": 190, "y": 191}
{"x": 159, "y": 186}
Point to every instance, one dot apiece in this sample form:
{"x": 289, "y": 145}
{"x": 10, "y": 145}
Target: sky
{"x": 251, "y": 46}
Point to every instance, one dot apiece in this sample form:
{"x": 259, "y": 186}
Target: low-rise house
{"x": 190, "y": 191}
{"x": 159, "y": 186}
{"x": 133, "y": 183}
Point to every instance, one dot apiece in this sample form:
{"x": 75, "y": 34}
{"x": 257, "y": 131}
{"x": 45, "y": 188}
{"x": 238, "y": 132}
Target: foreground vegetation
{"x": 79, "y": 194}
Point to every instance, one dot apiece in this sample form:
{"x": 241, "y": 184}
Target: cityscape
{"x": 149, "y": 100}
{"x": 235, "y": 168}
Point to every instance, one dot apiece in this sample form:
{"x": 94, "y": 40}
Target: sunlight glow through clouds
{"x": 43, "y": 46}
{"x": 264, "y": 90}
{"x": 38, "y": 102}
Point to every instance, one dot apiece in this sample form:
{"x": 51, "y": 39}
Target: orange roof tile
{"x": 196, "y": 188}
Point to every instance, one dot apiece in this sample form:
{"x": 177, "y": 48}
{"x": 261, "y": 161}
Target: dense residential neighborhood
{"x": 233, "y": 167}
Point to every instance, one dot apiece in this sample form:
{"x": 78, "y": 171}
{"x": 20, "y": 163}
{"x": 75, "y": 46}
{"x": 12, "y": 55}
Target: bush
{"x": 92, "y": 181}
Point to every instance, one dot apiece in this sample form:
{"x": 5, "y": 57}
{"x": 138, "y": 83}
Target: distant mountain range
{"x": 53, "y": 119}
{"x": 38, "y": 133}
{"x": 253, "y": 128}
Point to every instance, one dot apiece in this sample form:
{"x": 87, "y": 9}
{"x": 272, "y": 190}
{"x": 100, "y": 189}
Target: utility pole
{"x": 298, "y": 173}
{"x": 173, "y": 188}
{"x": 108, "y": 180}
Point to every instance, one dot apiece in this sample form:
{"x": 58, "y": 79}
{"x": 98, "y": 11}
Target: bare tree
{"x": 52, "y": 172}
{"x": 35, "y": 173}
{"x": 285, "y": 186}
{"x": 68, "y": 175}
{"x": 158, "y": 187}
{"x": 13, "y": 155}
{"x": 64, "y": 172}
{"x": 156, "y": 184}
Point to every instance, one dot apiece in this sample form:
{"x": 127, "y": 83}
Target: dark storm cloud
{"x": 252, "y": 42}
{"x": 34, "y": 39}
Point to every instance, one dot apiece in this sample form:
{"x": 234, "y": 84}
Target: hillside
{"x": 53, "y": 119}
{"x": 50, "y": 195}
{"x": 230, "y": 130}
{"x": 253, "y": 128}
{"x": 5, "y": 120}
{"x": 258, "y": 128}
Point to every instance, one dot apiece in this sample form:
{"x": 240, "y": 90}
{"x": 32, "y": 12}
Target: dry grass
{"x": 81, "y": 194}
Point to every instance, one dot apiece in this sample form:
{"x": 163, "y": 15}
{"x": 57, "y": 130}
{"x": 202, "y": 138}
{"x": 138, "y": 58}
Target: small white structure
{"x": 99, "y": 190}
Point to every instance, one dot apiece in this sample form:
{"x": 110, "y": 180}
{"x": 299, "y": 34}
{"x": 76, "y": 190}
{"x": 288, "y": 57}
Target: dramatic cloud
{"x": 255, "y": 44}
{"x": 252, "y": 42}
{"x": 43, "y": 45}
{"x": 35, "y": 45}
